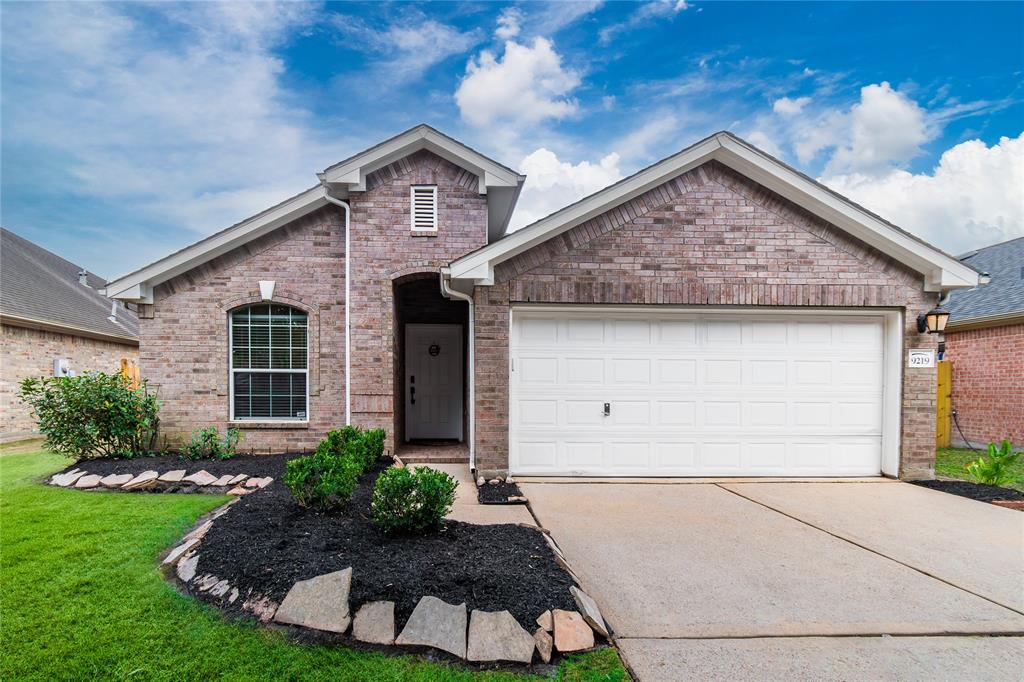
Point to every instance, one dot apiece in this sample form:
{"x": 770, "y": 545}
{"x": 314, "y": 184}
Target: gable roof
{"x": 40, "y": 289}
{"x": 1002, "y": 297}
{"x": 940, "y": 271}
{"x": 500, "y": 184}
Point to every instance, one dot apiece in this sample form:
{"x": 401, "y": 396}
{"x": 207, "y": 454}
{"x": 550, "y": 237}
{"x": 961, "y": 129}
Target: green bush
{"x": 207, "y": 443}
{"x": 407, "y": 501}
{"x": 93, "y": 415}
{"x": 997, "y": 468}
{"x": 327, "y": 478}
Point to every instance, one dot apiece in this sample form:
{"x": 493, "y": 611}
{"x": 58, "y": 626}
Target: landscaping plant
{"x": 408, "y": 501}
{"x": 94, "y": 415}
{"x": 207, "y": 443}
{"x": 327, "y": 478}
{"x": 996, "y": 469}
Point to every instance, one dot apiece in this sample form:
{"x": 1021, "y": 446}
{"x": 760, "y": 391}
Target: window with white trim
{"x": 424, "y": 208}
{"x": 269, "y": 363}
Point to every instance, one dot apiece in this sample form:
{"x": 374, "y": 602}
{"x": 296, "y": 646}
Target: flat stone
{"x": 267, "y": 480}
{"x": 258, "y": 482}
{"x": 497, "y": 636}
{"x": 544, "y": 643}
{"x": 233, "y": 596}
{"x": 200, "y": 532}
{"x": 201, "y": 477}
{"x": 207, "y": 582}
{"x": 172, "y": 476}
{"x": 239, "y": 490}
{"x": 178, "y": 551}
{"x": 375, "y": 623}
{"x": 572, "y": 633}
{"x": 262, "y": 607}
{"x": 115, "y": 480}
{"x": 220, "y": 589}
{"x": 223, "y": 480}
{"x": 320, "y": 603}
{"x": 221, "y": 510}
{"x": 437, "y": 624}
{"x": 588, "y": 608}
{"x": 235, "y": 480}
{"x": 88, "y": 481}
{"x": 186, "y": 568}
{"x": 545, "y": 621}
{"x": 144, "y": 479}
{"x": 67, "y": 478}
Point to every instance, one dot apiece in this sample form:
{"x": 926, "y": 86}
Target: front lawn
{"x": 950, "y": 462}
{"x": 81, "y": 598}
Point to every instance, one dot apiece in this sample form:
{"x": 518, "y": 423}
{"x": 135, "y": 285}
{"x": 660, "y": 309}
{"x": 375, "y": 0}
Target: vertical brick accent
{"x": 492, "y": 318}
{"x": 988, "y": 368}
{"x": 29, "y": 353}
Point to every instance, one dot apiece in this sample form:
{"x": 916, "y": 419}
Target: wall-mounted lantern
{"x": 934, "y": 321}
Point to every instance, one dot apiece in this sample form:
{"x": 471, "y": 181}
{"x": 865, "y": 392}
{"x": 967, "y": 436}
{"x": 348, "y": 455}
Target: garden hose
{"x": 957, "y": 422}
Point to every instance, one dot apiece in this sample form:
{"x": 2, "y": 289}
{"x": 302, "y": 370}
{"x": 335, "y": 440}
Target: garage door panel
{"x": 693, "y": 394}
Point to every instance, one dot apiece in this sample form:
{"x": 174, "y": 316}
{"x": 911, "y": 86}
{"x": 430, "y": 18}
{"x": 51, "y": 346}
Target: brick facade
{"x": 26, "y": 353}
{"x": 707, "y": 237}
{"x": 184, "y": 333}
{"x": 988, "y": 365}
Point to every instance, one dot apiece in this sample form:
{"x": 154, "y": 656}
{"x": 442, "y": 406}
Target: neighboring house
{"x": 52, "y": 311}
{"x": 984, "y": 339}
{"x": 717, "y": 313}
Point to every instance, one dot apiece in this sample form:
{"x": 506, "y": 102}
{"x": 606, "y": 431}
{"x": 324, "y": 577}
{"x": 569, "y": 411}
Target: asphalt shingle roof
{"x": 40, "y": 285}
{"x": 1005, "y": 291}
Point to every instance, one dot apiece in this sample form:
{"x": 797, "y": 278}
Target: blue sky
{"x": 132, "y": 130}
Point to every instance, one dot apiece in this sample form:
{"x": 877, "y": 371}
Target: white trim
{"x": 448, "y": 292}
{"x": 413, "y": 190}
{"x": 232, "y": 371}
{"x": 940, "y": 271}
{"x": 892, "y": 361}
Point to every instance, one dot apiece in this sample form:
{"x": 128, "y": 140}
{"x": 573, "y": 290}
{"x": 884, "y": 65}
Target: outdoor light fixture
{"x": 934, "y": 321}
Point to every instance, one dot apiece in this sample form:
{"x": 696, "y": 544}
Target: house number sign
{"x": 920, "y": 357}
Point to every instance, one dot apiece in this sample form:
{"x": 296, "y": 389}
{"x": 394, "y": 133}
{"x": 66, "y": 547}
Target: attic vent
{"x": 424, "y": 208}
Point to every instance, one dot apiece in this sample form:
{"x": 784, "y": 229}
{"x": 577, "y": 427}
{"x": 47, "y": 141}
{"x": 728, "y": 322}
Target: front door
{"x": 433, "y": 381}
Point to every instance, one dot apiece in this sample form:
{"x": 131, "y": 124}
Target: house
{"x": 717, "y": 313}
{"x": 984, "y": 340}
{"x": 54, "y": 321}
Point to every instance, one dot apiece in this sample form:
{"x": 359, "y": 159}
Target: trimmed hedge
{"x": 412, "y": 501}
{"x": 327, "y": 478}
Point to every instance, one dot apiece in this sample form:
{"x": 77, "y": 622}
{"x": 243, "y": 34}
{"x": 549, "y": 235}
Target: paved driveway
{"x": 869, "y": 580}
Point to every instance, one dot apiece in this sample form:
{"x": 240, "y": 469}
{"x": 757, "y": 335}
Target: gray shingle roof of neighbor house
{"x": 39, "y": 288}
{"x": 1003, "y": 295}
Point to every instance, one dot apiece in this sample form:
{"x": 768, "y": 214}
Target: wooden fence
{"x": 943, "y": 404}
{"x": 130, "y": 369}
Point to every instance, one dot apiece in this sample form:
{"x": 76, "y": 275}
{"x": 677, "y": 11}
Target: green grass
{"x": 950, "y": 462}
{"x": 81, "y": 598}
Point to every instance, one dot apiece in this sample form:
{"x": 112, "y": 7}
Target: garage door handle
{"x": 607, "y": 409}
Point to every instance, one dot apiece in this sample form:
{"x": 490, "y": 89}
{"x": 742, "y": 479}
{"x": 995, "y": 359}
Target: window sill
{"x": 422, "y": 233}
{"x": 242, "y": 425}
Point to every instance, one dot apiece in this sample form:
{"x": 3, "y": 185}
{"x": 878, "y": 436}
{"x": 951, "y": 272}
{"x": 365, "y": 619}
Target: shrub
{"x": 323, "y": 479}
{"x": 207, "y": 443}
{"x": 996, "y": 469}
{"x": 93, "y": 415}
{"x": 407, "y": 501}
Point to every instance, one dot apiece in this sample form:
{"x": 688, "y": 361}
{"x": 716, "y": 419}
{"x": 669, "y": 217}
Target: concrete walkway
{"x": 766, "y": 576}
{"x": 467, "y": 507}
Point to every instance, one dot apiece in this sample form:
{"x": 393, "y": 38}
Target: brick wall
{"x": 26, "y": 353}
{"x": 707, "y": 237}
{"x": 184, "y": 333}
{"x": 988, "y": 369}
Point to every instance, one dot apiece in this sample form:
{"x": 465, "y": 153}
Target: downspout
{"x": 348, "y": 289}
{"x": 448, "y": 292}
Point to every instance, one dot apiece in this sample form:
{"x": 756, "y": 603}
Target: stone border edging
{"x": 202, "y": 481}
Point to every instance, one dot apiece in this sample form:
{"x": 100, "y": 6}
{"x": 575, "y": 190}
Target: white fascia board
{"x": 940, "y": 271}
{"x": 137, "y": 286}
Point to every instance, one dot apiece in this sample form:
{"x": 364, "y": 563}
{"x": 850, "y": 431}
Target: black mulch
{"x": 267, "y": 542}
{"x": 251, "y": 465}
{"x": 498, "y": 493}
{"x": 975, "y": 491}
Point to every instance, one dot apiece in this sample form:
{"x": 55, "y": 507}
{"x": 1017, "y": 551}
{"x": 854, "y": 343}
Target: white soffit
{"x": 940, "y": 270}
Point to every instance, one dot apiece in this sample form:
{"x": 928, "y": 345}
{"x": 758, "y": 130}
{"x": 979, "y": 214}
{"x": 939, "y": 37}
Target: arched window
{"x": 269, "y": 363}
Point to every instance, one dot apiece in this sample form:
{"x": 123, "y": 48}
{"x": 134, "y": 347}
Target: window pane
{"x": 259, "y": 314}
{"x": 269, "y": 337}
{"x": 279, "y": 314}
{"x": 280, "y": 358}
{"x": 241, "y": 316}
{"x": 240, "y": 358}
{"x": 240, "y": 334}
{"x": 279, "y": 337}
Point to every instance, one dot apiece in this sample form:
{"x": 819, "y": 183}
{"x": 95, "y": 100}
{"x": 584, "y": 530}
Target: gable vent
{"x": 424, "y": 208}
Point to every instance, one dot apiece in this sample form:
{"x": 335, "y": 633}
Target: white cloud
{"x": 552, "y": 184}
{"x": 647, "y": 12}
{"x": 608, "y": 102}
{"x": 656, "y": 137}
{"x": 974, "y": 197}
{"x": 788, "y": 107}
{"x": 525, "y": 85}
{"x": 508, "y": 23}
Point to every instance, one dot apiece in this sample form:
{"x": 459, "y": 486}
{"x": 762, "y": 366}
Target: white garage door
{"x": 673, "y": 393}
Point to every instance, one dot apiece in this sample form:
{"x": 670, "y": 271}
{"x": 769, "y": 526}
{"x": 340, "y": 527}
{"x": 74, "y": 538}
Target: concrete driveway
{"x": 797, "y": 580}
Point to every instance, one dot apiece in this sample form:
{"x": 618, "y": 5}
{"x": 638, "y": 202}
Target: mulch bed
{"x": 267, "y": 542}
{"x": 251, "y": 465}
{"x": 975, "y": 491}
{"x": 498, "y": 493}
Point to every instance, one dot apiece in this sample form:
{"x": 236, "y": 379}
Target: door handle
{"x": 412, "y": 395}
{"x": 607, "y": 409}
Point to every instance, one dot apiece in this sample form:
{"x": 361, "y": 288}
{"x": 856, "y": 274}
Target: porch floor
{"x": 440, "y": 453}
